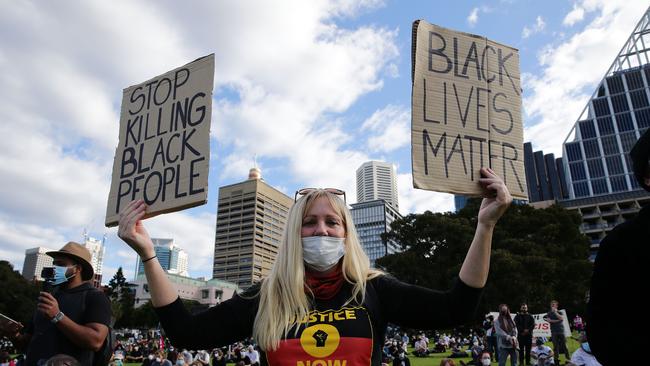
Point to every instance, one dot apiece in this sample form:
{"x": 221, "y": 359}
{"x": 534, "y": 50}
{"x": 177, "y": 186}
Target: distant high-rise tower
{"x": 97, "y": 249}
{"x": 35, "y": 260}
{"x": 251, "y": 217}
{"x": 172, "y": 258}
{"x": 377, "y": 180}
{"x": 371, "y": 219}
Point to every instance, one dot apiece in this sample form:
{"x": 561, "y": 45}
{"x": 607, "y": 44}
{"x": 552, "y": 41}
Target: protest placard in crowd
{"x": 466, "y": 112}
{"x": 164, "y": 142}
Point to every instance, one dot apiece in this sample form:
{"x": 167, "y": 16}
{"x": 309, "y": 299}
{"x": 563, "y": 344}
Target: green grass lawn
{"x": 434, "y": 359}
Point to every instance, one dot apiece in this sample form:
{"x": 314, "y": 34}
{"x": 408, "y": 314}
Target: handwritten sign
{"x": 164, "y": 144}
{"x": 466, "y": 112}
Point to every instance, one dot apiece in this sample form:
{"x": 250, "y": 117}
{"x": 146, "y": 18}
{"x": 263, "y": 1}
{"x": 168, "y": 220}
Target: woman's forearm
{"x": 162, "y": 290}
{"x": 474, "y": 272}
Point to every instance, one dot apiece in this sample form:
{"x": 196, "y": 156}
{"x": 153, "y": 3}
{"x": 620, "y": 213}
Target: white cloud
{"x": 413, "y": 200}
{"x": 554, "y": 99}
{"x": 539, "y": 26}
{"x": 574, "y": 16}
{"x": 472, "y": 18}
{"x": 388, "y": 129}
{"x": 66, "y": 65}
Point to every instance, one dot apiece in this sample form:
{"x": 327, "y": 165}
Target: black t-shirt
{"x": 47, "y": 340}
{"x": 351, "y": 334}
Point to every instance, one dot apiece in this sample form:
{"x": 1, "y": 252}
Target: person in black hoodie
{"x": 525, "y": 325}
{"x": 617, "y": 281}
{"x": 321, "y": 301}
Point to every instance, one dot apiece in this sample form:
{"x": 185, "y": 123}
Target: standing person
{"x": 321, "y": 290}
{"x": 557, "y": 332}
{"x": 491, "y": 337}
{"x": 578, "y": 324}
{"x": 621, "y": 262}
{"x": 506, "y": 336}
{"x": 525, "y": 326}
{"x": 73, "y": 319}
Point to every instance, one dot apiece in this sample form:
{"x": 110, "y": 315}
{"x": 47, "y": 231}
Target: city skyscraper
{"x": 35, "y": 260}
{"x": 371, "y": 219}
{"x": 172, "y": 258}
{"x": 594, "y": 176}
{"x": 251, "y": 216}
{"x": 97, "y": 248}
{"x": 377, "y": 180}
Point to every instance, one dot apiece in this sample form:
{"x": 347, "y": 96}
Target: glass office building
{"x": 371, "y": 219}
{"x": 595, "y": 176}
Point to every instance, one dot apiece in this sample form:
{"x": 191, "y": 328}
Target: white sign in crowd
{"x": 542, "y": 327}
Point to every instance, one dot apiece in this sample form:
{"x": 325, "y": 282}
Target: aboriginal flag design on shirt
{"x": 341, "y": 337}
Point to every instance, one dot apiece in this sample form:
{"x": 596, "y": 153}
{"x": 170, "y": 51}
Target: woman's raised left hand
{"x": 496, "y": 199}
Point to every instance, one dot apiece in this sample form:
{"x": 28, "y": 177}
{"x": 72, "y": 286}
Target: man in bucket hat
{"x": 618, "y": 279}
{"x": 73, "y": 319}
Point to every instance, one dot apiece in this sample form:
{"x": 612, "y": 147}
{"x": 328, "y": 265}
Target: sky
{"x": 311, "y": 88}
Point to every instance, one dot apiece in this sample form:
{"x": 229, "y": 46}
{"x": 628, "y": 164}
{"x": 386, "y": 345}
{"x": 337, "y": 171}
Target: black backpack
{"x": 103, "y": 356}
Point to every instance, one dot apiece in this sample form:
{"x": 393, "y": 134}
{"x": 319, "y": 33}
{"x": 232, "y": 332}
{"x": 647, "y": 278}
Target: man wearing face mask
{"x": 73, "y": 319}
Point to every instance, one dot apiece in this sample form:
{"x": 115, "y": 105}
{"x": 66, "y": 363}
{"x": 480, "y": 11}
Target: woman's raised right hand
{"x": 132, "y": 231}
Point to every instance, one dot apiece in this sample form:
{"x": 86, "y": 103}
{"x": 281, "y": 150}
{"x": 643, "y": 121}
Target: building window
{"x": 591, "y": 148}
{"x": 610, "y": 145}
{"x": 601, "y": 107}
{"x": 643, "y": 118}
{"x": 634, "y": 182}
{"x": 615, "y": 84}
{"x": 581, "y": 189}
{"x": 577, "y": 171}
{"x": 595, "y": 168}
{"x": 618, "y": 183}
{"x": 624, "y": 122}
{"x": 639, "y": 99}
{"x": 205, "y": 294}
{"x": 599, "y": 186}
{"x": 605, "y": 126}
{"x": 573, "y": 151}
{"x": 614, "y": 165}
{"x": 634, "y": 80}
{"x": 587, "y": 129}
{"x": 619, "y": 102}
{"x": 628, "y": 140}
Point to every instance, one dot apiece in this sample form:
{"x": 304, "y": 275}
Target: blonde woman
{"x": 322, "y": 303}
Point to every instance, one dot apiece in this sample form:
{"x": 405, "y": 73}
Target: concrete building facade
{"x": 251, "y": 217}
{"x": 377, "y": 180}
{"x": 35, "y": 261}
{"x": 207, "y": 292}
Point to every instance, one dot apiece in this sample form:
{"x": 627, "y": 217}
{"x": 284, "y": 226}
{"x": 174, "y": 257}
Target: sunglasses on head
{"x": 306, "y": 191}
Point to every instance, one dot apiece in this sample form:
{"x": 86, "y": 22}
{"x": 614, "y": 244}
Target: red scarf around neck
{"x": 324, "y": 286}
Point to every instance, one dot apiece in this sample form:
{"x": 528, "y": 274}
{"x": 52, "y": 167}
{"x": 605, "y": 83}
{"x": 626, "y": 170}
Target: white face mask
{"x": 322, "y": 252}
{"x": 486, "y": 362}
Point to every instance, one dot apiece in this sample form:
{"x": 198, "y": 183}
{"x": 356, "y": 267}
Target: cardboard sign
{"x": 466, "y": 112}
{"x": 164, "y": 146}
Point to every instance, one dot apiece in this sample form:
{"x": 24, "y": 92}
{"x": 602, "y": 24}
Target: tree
{"x": 537, "y": 255}
{"x": 122, "y": 298}
{"x": 17, "y": 295}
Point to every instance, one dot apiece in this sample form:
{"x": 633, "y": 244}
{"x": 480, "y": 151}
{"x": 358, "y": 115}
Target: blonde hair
{"x": 282, "y": 298}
